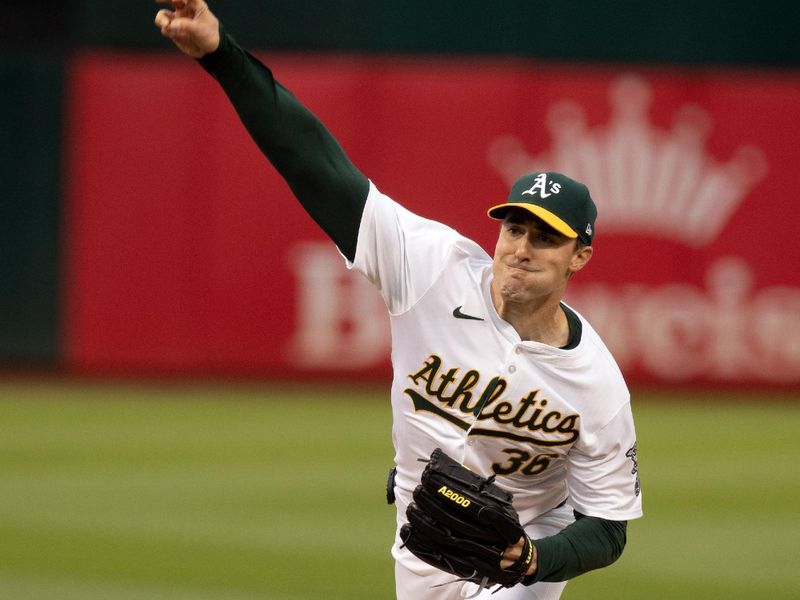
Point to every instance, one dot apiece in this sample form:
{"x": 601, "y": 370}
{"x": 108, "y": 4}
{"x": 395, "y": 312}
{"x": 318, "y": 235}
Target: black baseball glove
{"x": 462, "y": 523}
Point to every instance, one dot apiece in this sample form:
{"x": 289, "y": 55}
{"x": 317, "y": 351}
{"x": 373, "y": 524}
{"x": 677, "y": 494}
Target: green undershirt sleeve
{"x": 330, "y": 188}
{"x": 587, "y": 544}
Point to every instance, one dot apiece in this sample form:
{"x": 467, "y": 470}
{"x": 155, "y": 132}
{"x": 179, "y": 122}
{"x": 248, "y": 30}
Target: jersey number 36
{"x": 524, "y": 462}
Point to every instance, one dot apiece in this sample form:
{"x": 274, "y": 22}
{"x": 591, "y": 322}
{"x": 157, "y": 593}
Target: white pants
{"x": 416, "y": 580}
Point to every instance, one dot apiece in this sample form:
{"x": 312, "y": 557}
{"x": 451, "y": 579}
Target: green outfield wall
{"x": 686, "y": 31}
{"x": 30, "y": 122}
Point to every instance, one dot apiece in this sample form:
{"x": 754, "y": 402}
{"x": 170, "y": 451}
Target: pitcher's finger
{"x": 163, "y": 17}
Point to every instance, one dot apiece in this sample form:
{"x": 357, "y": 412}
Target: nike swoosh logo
{"x": 459, "y": 315}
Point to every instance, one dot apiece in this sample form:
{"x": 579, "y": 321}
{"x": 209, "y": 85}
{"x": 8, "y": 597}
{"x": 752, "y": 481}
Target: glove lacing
{"x": 481, "y": 586}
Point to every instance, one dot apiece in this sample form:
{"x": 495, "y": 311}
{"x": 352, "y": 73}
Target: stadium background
{"x": 165, "y": 434}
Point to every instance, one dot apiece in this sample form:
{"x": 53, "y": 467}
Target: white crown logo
{"x": 643, "y": 179}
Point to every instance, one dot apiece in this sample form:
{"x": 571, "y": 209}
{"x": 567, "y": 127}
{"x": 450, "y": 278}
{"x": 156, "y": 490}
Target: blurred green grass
{"x": 238, "y": 492}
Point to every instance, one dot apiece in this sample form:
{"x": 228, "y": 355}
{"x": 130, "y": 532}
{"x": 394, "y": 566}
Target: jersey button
{"x": 518, "y": 350}
{"x": 512, "y": 368}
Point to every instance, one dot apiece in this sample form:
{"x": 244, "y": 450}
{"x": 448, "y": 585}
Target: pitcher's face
{"x": 532, "y": 261}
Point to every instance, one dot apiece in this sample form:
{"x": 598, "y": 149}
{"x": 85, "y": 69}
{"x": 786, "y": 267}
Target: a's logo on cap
{"x": 588, "y": 229}
{"x": 540, "y": 186}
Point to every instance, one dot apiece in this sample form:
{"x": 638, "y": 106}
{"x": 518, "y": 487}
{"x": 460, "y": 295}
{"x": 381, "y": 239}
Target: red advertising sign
{"x": 186, "y": 253}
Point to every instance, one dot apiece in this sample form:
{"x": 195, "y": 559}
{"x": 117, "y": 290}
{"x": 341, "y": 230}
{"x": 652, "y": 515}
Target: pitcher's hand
{"x": 191, "y": 26}
{"x": 513, "y": 553}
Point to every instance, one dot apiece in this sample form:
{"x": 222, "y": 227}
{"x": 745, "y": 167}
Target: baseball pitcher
{"x": 515, "y": 450}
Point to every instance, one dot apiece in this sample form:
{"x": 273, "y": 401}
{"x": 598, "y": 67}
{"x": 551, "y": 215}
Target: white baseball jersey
{"x": 553, "y": 424}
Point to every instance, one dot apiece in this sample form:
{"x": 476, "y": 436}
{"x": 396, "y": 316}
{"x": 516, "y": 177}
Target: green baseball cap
{"x": 561, "y": 202}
